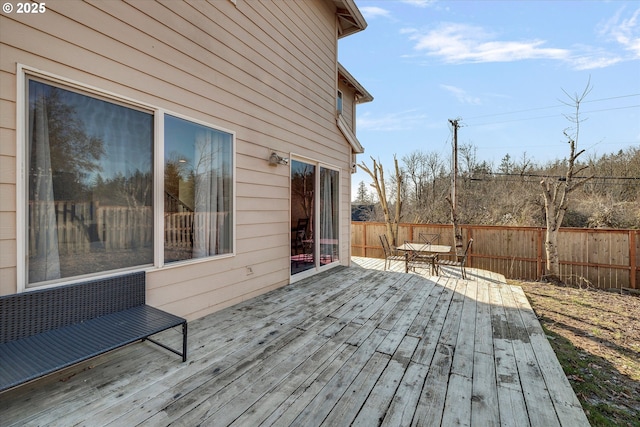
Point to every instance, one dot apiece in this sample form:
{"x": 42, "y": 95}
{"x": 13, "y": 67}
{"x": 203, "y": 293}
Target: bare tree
{"x": 415, "y": 166}
{"x": 436, "y": 170}
{"x": 556, "y": 191}
{"x": 379, "y": 184}
{"x": 524, "y": 166}
{"x": 469, "y": 155}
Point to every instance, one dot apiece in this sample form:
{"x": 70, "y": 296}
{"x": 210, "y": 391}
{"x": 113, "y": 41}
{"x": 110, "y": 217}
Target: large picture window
{"x": 90, "y": 183}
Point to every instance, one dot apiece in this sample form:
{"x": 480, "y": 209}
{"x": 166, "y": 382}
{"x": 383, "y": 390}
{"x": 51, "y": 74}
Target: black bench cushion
{"x": 32, "y": 357}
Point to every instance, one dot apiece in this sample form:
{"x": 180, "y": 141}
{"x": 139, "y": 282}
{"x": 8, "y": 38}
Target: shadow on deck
{"x": 350, "y": 346}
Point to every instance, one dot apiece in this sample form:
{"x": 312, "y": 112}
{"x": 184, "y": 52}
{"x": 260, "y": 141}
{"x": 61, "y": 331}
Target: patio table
{"x": 423, "y": 250}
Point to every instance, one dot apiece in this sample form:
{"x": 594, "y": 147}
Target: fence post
{"x": 364, "y": 238}
{"x": 632, "y": 259}
{"x": 470, "y": 236}
{"x": 539, "y": 263}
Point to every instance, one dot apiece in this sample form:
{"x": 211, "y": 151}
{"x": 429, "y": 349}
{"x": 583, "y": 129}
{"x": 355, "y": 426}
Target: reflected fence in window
{"x": 82, "y": 227}
{"x": 87, "y": 238}
{"x": 180, "y": 229}
{"x": 87, "y": 227}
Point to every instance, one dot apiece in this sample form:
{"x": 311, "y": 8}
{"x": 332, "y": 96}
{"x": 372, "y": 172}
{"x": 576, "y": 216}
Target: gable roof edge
{"x": 351, "y": 20}
{"x": 362, "y": 94}
{"x": 350, "y": 136}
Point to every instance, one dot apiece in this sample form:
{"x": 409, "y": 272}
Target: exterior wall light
{"x": 275, "y": 160}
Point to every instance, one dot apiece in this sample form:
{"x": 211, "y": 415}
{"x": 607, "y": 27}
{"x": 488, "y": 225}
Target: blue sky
{"x": 501, "y": 68}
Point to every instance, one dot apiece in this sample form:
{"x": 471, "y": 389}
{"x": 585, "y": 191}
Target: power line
{"x": 526, "y": 177}
{"x": 551, "y": 106}
{"x": 610, "y": 98}
{"x": 557, "y": 144}
{"x": 612, "y": 109}
{"x": 538, "y": 175}
{"x": 551, "y": 116}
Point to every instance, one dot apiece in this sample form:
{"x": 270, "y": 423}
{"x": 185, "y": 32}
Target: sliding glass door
{"x": 314, "y": 216}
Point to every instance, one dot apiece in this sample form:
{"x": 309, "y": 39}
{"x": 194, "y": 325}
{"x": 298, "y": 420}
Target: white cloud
{"x": 402, "y": 120}
{"x": 594, "y": 61}
{"x": 461, "y": 95}
{"x": 408, "y": 31}
{"x": 625, "y": 31}
{"x": 459, "y": 43}
{"x": 372, "y": 12}
{"x": 419, "y": 3}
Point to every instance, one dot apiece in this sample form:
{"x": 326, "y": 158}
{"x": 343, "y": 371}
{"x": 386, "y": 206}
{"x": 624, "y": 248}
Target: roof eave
{"x": 351, "y": 20}
{"x": 362, "y": 95}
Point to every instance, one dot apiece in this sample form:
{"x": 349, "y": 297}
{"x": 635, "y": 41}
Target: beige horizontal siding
{"x": 265, "y": 70}
{"x": 347, "y": 105}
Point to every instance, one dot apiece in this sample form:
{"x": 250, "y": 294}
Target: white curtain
{"x": 209, "y": 228}
{"x": 44, "y": 260}
{"x": 328, "y": 236}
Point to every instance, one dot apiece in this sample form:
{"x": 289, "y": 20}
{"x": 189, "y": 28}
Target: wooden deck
{"x": 351, "y": 346}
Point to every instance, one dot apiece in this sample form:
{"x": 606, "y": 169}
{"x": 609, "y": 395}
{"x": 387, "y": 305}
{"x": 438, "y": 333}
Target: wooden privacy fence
{"x": 588, "y": 257}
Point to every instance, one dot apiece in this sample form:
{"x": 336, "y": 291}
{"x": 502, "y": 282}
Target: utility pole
{"x": 457, "y": 235}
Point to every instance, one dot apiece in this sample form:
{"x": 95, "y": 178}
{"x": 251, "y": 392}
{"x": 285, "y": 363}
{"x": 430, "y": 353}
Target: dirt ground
{"x": 596, "y": 335}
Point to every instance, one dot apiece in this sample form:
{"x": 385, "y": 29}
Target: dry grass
{"x": 596, "y": 336}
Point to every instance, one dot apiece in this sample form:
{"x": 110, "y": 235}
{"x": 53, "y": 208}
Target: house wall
{"x": 265, "y": 70}
{"x": 348, "y": 112}
{"x": 348, "y": 105}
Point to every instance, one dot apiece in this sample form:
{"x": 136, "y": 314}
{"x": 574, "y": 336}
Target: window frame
{"x": 339, "y": 102}
{"x": 23, "y": 74}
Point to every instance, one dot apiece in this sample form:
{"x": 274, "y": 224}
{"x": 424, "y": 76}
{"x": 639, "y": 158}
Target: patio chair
{"x": 429, "y": 239}
{"x": 389, "y": 254}
{"x": 460, "y": 261}
{"x": 421, "y": 258}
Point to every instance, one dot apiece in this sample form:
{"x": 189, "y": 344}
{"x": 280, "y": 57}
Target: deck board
{"x": 350, "y": 346}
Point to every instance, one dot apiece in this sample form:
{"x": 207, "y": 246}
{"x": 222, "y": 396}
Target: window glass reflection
{"x": 198, "y": 185}
{"x": 90, "y": 184}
